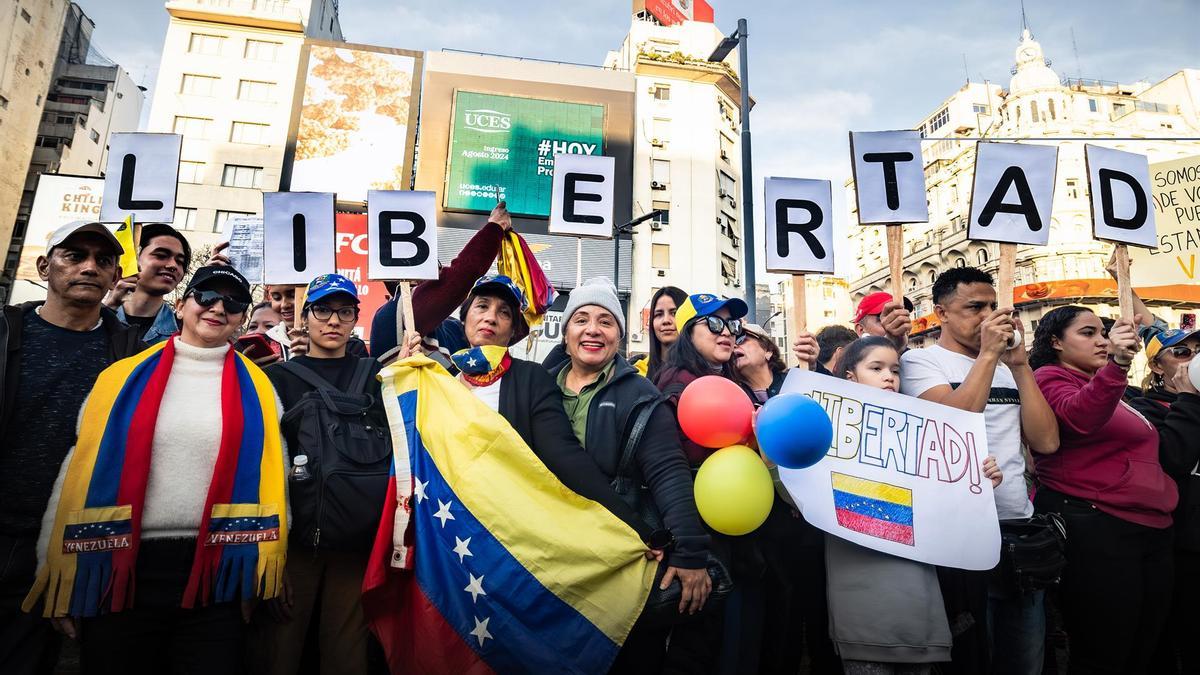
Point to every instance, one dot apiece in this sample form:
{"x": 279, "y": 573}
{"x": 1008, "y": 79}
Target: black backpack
{"x": 349, "y": 454}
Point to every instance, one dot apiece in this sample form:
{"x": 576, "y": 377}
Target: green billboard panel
{"x": 503, "y": 147}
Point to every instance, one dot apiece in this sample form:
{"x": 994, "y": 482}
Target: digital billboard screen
{"x": 503, "y": 147}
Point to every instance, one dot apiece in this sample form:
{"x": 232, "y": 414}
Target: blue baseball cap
{"x": 504, "y": 287}
{"x": 1164, "y": 339}
{"x": 705, "y": 304}
{"x": 328, "y": 284}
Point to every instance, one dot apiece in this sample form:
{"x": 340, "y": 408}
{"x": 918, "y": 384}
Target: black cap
{"x": 152, "y": 230}
{"x": 206, "y": 275}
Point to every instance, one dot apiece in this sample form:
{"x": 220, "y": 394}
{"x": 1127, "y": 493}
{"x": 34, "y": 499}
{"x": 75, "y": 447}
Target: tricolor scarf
{"x": 242, "y": 541}
{"x": 482, "y": 366}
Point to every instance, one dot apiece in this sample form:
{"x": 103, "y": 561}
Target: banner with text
{"x": 1175, "y": 187}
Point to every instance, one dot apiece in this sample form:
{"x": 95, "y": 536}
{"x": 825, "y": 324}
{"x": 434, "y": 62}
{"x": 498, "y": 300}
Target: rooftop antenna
{"x": 1075, "y": 50}
{"x": 966, "y": 72}
{"x": 1024, "y": 21}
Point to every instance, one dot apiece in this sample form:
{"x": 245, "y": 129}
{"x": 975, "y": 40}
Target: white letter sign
{"x": 582, "y": 201}
{"x": 903, "y": 476}
{"x": 141, "y": 177}
{"x": 402, "y": 235}
{"x": 1013, "y": 192}
{"x": 889, "y": 177}
{"x": 1119, "y": 183}
{"x": 799, "y": 225}
{"x": 298, "y": 236}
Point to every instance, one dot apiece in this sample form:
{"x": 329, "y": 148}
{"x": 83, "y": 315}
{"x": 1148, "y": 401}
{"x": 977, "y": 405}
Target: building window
{"x": 3, "y": 102}
{"x": 242, "y": 176}
{"x": 932, "y": 276}
{"x": 185, "y": 219}
{"x": 248, "y": 132}
{"x": 729, "y": 271}
{"x": 198, "y": 85}
{"x": 262, "y": 50}
{"x": 81, "y": 84}
{"x": 252, "y": 90}
{"x": 982, "y": 256}
{"x": 912, "y": 284}
{"x": 26, "y": 15}
{"x": 660, "y": 172}
{"x": 662, "y": 92}
{"x": 1092, "y": 105}
{"x": 1072, "y": 188}
{"x": 194, "y": 127}
{"x": 664, "y": 211}
{"x": 191, "y": 172}
{"x": 659, "y": 130}
{"x": 960, "y": 262}
{"x": 939, "y": 120}
{"x": 726, "y": 185}
{"x": 660, "y": 256}
{"x": 201, "y": 43}
{"x": 979, "y": 109}
{"x": 48, "y": 141}
{"x": 94, "y": 135}
{"x": 222, "y": 216}
{"x": 1050, "y": 104}
{"x": 1033, "y": 111}
{"x": 726, "y": 147}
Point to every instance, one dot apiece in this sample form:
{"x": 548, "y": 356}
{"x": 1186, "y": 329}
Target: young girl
{"x": 898, "y": 625}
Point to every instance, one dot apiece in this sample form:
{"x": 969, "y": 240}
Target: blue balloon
{"x": 793, "y": 431}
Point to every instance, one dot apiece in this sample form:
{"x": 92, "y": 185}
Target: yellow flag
{"x": 129, "y": 257}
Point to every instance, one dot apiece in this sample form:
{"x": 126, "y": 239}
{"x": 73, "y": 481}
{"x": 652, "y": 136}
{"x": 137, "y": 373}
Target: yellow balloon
{"x": 734, "y": 492}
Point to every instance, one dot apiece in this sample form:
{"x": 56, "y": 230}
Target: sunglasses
{"x": 717, "y": 324}
{"x": 1182, "y": 351}
{"x": 210, "y": 298}
{"x": 741, "y": 339}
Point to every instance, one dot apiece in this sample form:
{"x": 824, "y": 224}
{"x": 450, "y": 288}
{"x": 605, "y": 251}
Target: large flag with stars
{"x": 494, "y": 566}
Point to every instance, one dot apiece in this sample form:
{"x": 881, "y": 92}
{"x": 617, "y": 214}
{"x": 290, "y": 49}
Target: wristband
{"x": 1122, "y": 366}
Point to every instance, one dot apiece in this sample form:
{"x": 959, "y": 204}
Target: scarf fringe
{"x": 240, "y": 574}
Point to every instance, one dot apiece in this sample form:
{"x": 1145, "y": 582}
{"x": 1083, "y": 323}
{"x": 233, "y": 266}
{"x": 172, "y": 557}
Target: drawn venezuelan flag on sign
{"x": 873, "y": 508}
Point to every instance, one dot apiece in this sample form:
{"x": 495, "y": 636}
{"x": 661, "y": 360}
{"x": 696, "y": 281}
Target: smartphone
{"x": 1187, "y": 321}
{"x": 257, "y": 346}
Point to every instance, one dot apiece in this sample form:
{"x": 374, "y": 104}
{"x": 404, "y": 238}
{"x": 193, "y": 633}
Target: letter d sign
{"x": 401, "y": 235}
{"x": 582, "y": 201}
{"x": 142, "y": 172}
{"x": 1119, "y": 183}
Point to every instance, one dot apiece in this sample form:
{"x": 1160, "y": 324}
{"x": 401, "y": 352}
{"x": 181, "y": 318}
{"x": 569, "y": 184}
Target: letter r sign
{"x": 799, "y": 225}
{"x": 401, "y": 235}
{"x": 582, "y": 201}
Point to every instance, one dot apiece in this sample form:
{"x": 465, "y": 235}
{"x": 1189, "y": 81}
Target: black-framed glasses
{"x": 210, "y": 298}
{"x": 717, "y": 324}
{"x": 323, "y": 312}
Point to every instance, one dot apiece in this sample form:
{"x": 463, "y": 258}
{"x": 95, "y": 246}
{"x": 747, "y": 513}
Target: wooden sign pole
{"x": 1005, "y": 275}
{"x": 298, "y": 303}
{"x": 895, "y": 246}
{"x": 799, "y": 310}
{"x": 406, "y": 308}
{"x": 1124, "y": 286}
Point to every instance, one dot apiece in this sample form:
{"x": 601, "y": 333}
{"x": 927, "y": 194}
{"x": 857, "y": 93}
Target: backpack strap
{"x": 309, "y": 376}
{"x": 362, "y": 375}
{"x": 635, "y": 438}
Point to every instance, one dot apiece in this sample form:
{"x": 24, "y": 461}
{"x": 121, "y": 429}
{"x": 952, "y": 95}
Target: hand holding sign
{"x": 1120, "y": 187}
{"x": 402, "y": 240}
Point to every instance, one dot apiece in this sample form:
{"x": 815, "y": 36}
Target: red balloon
{"x": 715, "y": 412}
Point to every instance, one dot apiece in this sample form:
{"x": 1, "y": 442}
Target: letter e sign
{"x": 401, "y": 235}
{"x": 582, "y": 201}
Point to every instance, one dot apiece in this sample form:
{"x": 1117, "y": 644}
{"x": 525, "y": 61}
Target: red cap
{"x": 873, "y": 304}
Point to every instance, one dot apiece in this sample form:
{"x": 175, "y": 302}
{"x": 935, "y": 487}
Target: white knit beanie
{"x": 598, "y": 291}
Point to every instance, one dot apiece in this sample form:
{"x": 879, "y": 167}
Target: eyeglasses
{"x": 745, "y": 335}
{"x": 1182, "y": 351}
{"x": 717, "y": 324}
{"x": 210, "y": 298}
{"x": 323, "y": 312}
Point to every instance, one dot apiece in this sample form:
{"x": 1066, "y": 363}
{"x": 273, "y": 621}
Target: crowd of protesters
{"x": 105, "y": 361}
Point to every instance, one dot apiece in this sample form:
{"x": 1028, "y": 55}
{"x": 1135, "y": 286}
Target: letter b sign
{"x": 401, "y": 235}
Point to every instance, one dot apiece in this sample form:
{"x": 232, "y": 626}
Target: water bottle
{"x": 300, "y": 470}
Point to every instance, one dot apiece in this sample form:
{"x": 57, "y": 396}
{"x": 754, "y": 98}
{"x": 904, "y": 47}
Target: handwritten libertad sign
{"x": 902, "y": 476}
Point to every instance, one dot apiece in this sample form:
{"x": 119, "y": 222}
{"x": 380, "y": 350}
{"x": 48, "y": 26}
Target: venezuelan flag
{"x": 873, "y": 508}
{"x": 495, "y": 566}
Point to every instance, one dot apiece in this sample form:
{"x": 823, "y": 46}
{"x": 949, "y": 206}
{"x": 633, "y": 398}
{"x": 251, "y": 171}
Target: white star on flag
{"x": 460, "y": 547}
{"x": 471, "y": 362}
{"x": 480, "y": 631}
{"x": 475, "y": 588}
{"x": 419, "y": 489}
{"x": 443, "y": 514}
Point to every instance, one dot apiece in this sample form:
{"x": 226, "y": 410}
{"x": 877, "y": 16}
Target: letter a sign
{"x": 401, "y": 235}
{"x": 141, "y": 176}
{"x": 1119, "y": 183}
{"x": 799, "y": 225}
{"x": 1013, "y": 192}
{"x": 582, "y": 201}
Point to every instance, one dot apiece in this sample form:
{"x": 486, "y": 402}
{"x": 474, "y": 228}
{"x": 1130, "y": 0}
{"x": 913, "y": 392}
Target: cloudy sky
{"x": 818, "y": 68}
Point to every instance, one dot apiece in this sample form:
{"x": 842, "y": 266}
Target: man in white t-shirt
{"x": 972, "y": 368}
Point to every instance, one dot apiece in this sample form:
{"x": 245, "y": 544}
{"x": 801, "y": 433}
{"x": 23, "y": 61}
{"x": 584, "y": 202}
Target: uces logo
{"x": 487, "y": 121}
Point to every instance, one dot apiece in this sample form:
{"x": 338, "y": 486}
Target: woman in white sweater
{"x": 175, "y": 487}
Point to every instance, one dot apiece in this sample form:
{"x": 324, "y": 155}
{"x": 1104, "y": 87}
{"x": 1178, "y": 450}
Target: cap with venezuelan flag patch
{"x": 704, "y": 304}
{"x": 1164, "y": 339}
{"x": 327, "y": 285}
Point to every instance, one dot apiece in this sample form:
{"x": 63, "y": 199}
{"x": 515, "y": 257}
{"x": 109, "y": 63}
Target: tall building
{"x": 826, "y": 302}
{"x": 687, "y": 162}
{"x": 29, "y": 33}
{"x": 227, "y": 83}
{"x": 1038, "y": 104}
{"x": 89, "y": 99}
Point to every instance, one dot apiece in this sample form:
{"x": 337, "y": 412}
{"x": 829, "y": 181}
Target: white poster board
{"x": 799, "y": 225}
{"x": 1013, "y": 193}
{"x": 141, "y": 177}
{"x": 1119, "y": 183}
{"x": 903, "y": 475}
{"x": 402, "y": 235}
{"x": 582, "y": 198}
{"x": 245, "y": 252}
{"x": 889, "y": 177}
{"x": 298, "y": 236}
{"x": 58, "y": 201}
{"x": 1176, "y": 196}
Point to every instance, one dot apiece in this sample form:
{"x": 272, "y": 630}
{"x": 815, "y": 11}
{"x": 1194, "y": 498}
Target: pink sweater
{"x": 1108, "y": 452}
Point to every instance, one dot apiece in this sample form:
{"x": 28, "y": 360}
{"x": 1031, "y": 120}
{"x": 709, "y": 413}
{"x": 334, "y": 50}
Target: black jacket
{"x": 532, "y": 404}
{"x": 660, "y": 464}
{"x": 122, "y": 341}
{"x": 1177, "y": 418}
